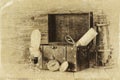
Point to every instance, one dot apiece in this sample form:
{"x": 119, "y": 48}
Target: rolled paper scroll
{"x": 86, "y": 38}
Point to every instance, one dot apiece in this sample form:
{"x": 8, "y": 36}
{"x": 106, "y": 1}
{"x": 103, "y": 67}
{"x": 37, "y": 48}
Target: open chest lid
{"x": 73, "y": 24}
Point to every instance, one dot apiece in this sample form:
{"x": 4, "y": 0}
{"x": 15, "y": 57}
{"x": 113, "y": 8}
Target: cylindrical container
{"x": 86, "y": 38}
{"x": 103, "y": 43}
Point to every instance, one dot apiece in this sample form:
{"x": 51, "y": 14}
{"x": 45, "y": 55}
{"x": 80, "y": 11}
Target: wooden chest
{"x": 77, "y": 57}
{"x": 60, "y": 25}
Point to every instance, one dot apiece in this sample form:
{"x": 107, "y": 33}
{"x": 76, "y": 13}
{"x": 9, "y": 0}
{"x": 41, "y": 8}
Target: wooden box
{"x": 60, "y": 25}
{"x": 77, "y": 57}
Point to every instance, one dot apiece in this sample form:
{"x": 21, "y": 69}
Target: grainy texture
{"x": 19, "y": 19}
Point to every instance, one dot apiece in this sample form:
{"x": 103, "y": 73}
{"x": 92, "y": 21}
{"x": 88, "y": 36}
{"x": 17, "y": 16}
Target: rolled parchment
{"x": 86, "y": 38}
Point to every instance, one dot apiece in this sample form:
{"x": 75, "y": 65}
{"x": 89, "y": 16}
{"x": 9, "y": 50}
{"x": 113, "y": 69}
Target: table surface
{"x": 26, "y": 72}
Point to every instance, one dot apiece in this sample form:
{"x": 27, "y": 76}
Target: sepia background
{"x": 16, "y": 25}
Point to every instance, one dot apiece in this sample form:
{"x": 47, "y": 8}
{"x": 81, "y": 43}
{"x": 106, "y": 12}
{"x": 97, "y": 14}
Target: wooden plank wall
{"x": 16, "y": 30}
